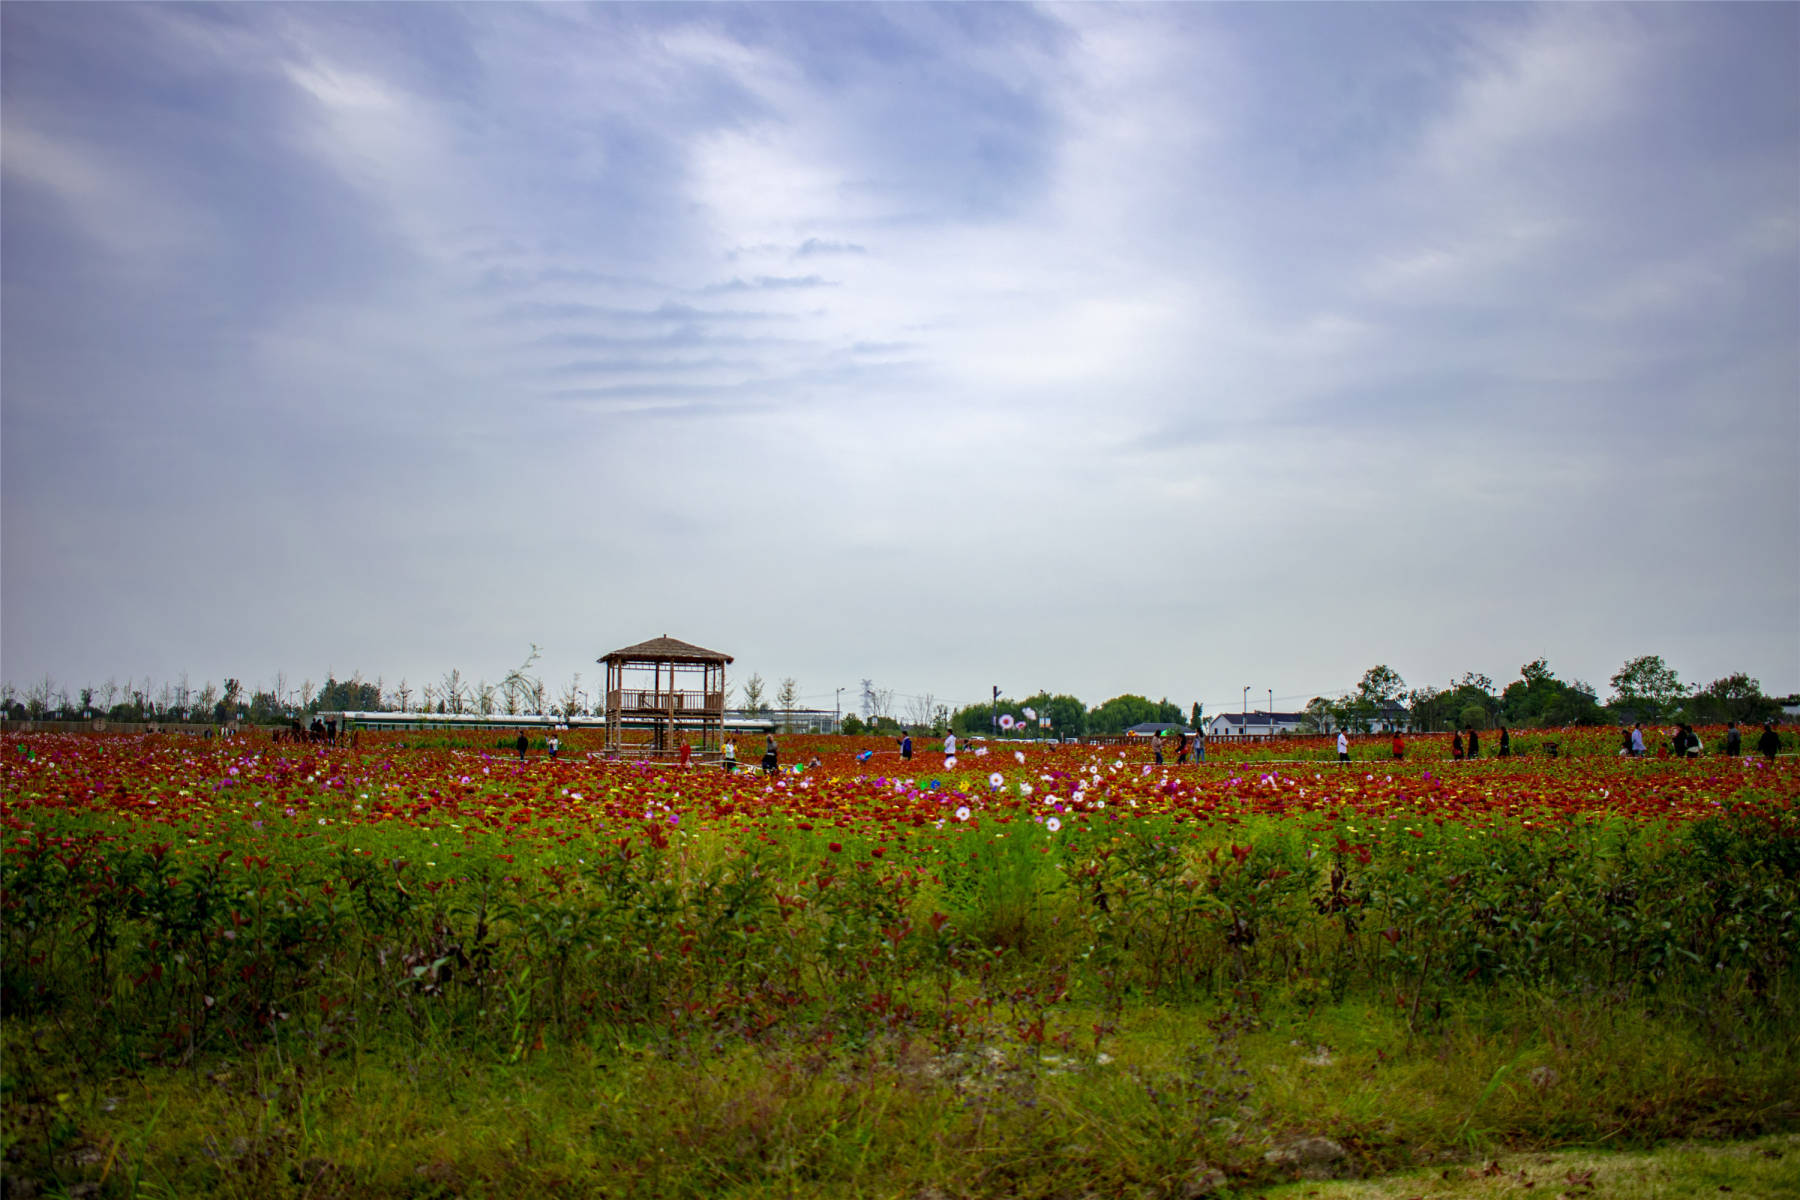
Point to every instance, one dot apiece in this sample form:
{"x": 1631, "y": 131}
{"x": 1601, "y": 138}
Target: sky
{"x": 1168, "y": 349}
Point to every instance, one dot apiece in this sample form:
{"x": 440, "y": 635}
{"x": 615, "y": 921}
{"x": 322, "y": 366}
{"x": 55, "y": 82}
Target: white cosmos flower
{"x": 1078, "y": 798}
{"x": 1053, "y": 824}
{"x": 962, "y": 814}
{"x": 981, "y": 752}
{"x": 1031, "y": 714}
{"x": 950, "y": 761}
{"x": 1020, "y": 755}
{"x": 1024, "y": 789}
{"x": 1006, "y": 720}
{"x": 996, "y": 779}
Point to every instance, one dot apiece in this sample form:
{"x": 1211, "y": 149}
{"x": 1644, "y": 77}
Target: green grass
{"x": 1173, "y": 1094}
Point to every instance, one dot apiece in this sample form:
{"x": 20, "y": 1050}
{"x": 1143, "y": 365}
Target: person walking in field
{"x": 522, "y": 745}
{"x": 729, "y": 756}
{"x": 771, "y": 759}
{"x": 1637, "y": 740}
{"x": 949, "y": 747}
{"x": 1200, "y": 744}
{"x": 1474, "y": 743}
{"x": 1343, "y": 746}
{"x": 687, "y": 754}
{"x": 1456, "y": 746}
{"x": 906, "y": 746}
{"x": 1734, "y": 741}
{"x": 1769, "y": 744}
{"x": 552, "y": 745}
{"x": 1505, "y": 743}
{"x": 1399, "y": 746}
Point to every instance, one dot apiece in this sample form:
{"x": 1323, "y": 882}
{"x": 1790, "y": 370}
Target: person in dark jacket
{"x": 1474, "y": 743}
{"x": 1505, "y": 743}
{"x": 1770, "y": 742}
{"x": 1734, "y": 741}
{"x": 523, "y": 744}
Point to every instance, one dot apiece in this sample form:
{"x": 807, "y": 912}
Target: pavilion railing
{"x": 647, "y": 700}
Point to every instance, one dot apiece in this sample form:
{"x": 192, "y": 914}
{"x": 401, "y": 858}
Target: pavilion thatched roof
{"x": 665, "y": 649}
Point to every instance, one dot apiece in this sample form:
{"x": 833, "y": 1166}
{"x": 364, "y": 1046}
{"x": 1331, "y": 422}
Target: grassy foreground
{"x": 1183, "y": 1103}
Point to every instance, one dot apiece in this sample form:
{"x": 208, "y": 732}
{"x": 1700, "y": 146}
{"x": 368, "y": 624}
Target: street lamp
{"x": 1246, "y": 710}
{"x": 1271, "y": 712}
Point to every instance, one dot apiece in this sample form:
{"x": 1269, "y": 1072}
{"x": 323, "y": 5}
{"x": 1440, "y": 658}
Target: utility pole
{"x": 1246, "y": 710}
{"x": 1271, "y": 712}
{"x": 996, "y": 713}
{"x": 837, "y": 712}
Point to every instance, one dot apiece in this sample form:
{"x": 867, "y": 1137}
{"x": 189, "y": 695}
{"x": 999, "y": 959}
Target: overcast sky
{"x": 1167, "y": 349}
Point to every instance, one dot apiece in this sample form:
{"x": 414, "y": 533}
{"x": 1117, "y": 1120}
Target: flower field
{"x": 171, "y": 902}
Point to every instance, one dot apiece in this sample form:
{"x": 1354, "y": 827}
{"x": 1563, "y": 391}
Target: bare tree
{"x": 455, "y": 690}
{"x": 883, "y": 702}
{"x": 109, "y": 694}
{"x": 571, "y": 697}
{"x": 520, "y": 685}
{"x": 39, "y": 695}
{"x": 427, "y": 697}
{"x": 540, "y": 696}
{"x": 485, "y": 696}
{"x": 305, "y": 694}
{"x": 920, "y": 710}
{"x": 868, "y": 699}
{"x": 404, "y": 691}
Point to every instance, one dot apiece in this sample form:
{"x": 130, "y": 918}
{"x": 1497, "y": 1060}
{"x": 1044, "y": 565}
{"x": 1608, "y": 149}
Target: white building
{"x": 1255, "y": 724}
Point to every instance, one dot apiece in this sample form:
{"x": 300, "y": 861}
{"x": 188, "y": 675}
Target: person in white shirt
{"x": 730, "y": 753}
{"x": 1343, "y": 746}
{"x": 949, "y": 745}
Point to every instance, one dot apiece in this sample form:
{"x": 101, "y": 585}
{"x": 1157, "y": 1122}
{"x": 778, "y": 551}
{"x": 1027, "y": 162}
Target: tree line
{"x": 1643, "y": 689}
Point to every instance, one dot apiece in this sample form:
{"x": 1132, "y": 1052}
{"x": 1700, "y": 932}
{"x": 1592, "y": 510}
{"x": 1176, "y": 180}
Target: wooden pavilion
{"x": 661, "y": 691}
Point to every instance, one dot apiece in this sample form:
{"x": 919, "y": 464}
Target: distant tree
{"x": 977, "y": 719}
{"x": 226, "y": 711}
{"x": 1319, "y": 715}
{"x": 520, "y": 686}
{"x": 1736, "y": 697}
{"x": 39, "y": 697}
{"x": 570, "y": 703}
{"x": 754, "y": 704}
{"x": 1122, "y": 712}
{"x": 266, "y": 708}
{"x": 787, "y": 696}
{"x": 851, "y": 724}
{"x": 1647, "y": 688}
{"x": 487, "y": 697}
{"x": 348, "y": 695}
{"x": 1068, "y": 715}
{"x": 206, "y": 703}
{"x": 1194, "y": 715}
{"x": 1381, "y": 685}
{"x": 882, "y": 702}
{"x": 1473, "y": 716}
